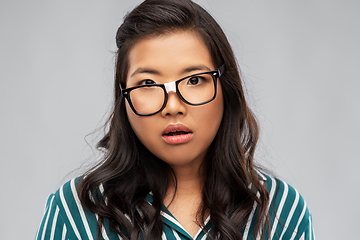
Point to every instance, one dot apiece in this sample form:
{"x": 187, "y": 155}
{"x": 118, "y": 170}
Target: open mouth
{"x": 177, "y": 134}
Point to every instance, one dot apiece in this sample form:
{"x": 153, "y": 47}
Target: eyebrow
{"x": 186, "y": 70}
{"x": 195, "y": 68}
{"x": 145, "y": 70}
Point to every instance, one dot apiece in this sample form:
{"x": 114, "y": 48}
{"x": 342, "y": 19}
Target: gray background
{"x": 300, "y": 63}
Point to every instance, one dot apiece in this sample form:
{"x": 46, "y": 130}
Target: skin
{"x": 163, "y": 59}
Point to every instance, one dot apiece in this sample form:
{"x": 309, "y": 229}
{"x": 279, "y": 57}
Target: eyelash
{"x": 151, "y": 82}
{"x": 146, "y": 82}
{"x": 200, "y": 79}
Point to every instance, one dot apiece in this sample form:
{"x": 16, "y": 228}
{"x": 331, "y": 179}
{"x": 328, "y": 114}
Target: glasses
{"x": 150, "y": 98}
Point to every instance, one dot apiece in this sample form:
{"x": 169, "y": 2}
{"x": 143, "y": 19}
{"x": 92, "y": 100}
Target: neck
{"x": 185, "y": 203}
{"x": 189, "y": 183}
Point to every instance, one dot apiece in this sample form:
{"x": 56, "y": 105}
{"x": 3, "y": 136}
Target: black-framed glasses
{"x": 196, "y": 89}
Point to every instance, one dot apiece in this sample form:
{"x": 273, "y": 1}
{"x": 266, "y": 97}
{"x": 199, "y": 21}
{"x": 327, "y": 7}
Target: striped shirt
{"x": 66, "y": 218}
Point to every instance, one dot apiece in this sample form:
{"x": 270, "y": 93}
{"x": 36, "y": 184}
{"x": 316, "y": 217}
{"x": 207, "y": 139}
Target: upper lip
{"x": 178, "y": 127}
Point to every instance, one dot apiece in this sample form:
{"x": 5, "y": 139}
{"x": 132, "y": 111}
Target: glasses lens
{"x": 147, "y": 100}
{"x": 197, "y": 89}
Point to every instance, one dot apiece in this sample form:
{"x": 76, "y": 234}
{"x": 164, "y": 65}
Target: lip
{"x": 184, "y": 136}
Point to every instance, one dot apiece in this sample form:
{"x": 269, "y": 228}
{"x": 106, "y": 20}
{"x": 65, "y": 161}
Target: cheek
{"x": 210, "y": 115}
{"x": 142, "y": 126}
{"x": 216, "y": 108}
{"x": 134, "y": 120}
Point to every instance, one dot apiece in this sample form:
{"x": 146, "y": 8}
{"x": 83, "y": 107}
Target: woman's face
{"x": 180, "y": 134}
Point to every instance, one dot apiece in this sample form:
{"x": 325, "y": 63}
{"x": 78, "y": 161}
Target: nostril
{"x": 170, "y": 113}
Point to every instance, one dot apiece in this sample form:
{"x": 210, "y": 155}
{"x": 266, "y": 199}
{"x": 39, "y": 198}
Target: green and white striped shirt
{"x": 66, "y": 218}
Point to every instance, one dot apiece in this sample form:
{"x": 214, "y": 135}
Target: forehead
{"x": 170, "y": 53}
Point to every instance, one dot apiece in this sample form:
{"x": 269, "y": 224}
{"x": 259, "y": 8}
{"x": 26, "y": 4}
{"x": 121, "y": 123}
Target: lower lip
{"x": 177, "y": 139}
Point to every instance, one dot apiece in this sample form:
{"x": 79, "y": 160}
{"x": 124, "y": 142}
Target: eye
{"x": 196, "y": 80}
{"x": 146, "y": 82}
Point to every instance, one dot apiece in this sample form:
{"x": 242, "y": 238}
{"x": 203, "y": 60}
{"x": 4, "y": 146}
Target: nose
{"x": 174, "y": 105}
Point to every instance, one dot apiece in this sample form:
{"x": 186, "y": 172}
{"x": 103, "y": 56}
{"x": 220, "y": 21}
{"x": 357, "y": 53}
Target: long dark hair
{"x": 115, "y": 189}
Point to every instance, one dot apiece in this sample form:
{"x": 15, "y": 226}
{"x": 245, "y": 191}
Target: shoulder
{"x": 65, "y": 215}
{"x": 67, "y": 198}
{"x": 289, "y": 216}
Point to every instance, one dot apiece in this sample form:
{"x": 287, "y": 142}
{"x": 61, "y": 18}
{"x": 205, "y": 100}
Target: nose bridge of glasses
{"x": 170, "y": 87}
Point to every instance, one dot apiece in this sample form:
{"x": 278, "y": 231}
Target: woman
{"x": 179, "y": 149}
